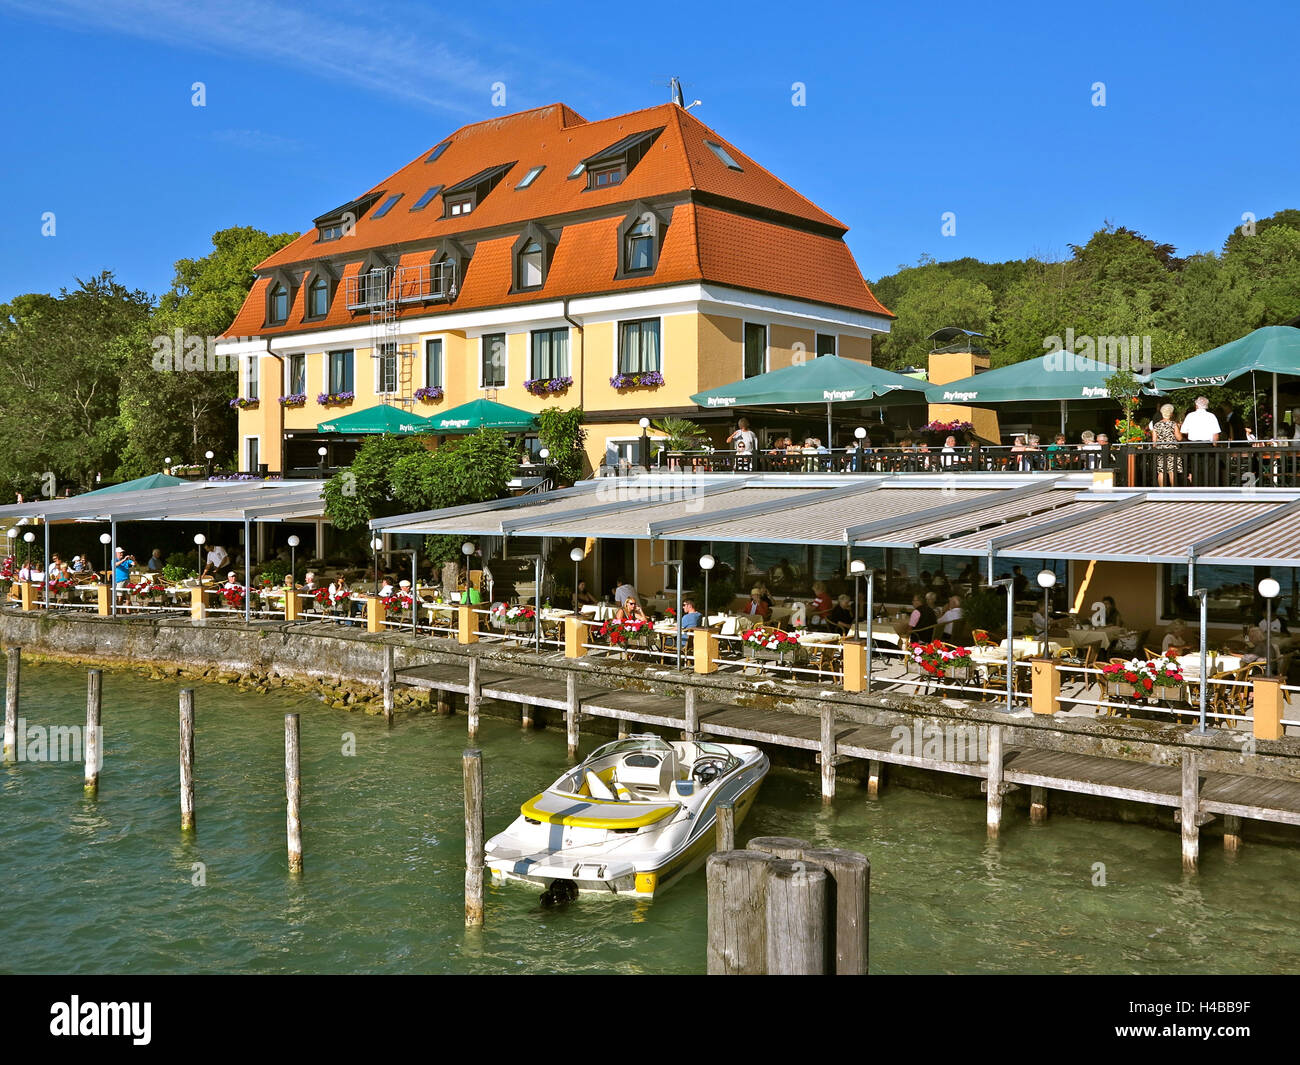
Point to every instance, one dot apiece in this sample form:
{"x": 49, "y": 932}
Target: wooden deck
{"x": 1181, "y": 787}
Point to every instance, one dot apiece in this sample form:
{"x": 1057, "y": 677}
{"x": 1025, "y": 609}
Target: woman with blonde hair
{"x": 1166, "y": 435}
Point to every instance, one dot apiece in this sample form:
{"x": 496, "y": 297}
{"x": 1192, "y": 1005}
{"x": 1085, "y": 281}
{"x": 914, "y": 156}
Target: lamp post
{"x": 576, "y": 554}
{"x": 13, "y": 549}
{"x": 104, "y": 538}
{"x": 645, "y": 443}
{"x": 199, "y": 541}
{"x": 321, "y": 452}
{"x": 707, "y": 562}
{"x": 859, "y": 434}
{"x": 857, "y": 567}
{"x": 209, "y": 456}
{"x": 467, "y": 549}
{"x": 1046, "y": 581}
{"x": 167, "y": 464}
{"x": 29, "y": 538}
{"x": 1269, "y": 589}
{"x": 377, "y": 544}
{"x": 293, "y": 560}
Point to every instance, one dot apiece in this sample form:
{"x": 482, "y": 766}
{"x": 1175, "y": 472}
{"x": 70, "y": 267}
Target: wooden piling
{"x": 994, "y": 815}
{"x": 187, "y": 759}
{"x": 572, "y": 713}
{"x": 472, "y": 766}
{"x": 293, "y": 793}
{"x": 692, "y": 715}
{"x": 798, "y": 915}
{"x": 1231, "y": 833}
{"x": 472, "y": 698}
{"x": 827, "y": 755}
{"x": 13, "y": 666}
{"x": 737, "y": 921}
{"x": 91, "y": 748}
{"x": 445, "y": 703}
{"x": 726, "y": 826}
{"x": 1037, "y": 805}
{"x": 874, "y": 774}
{"x": 1188, "y": 810}
{"x": 389, "y": 679}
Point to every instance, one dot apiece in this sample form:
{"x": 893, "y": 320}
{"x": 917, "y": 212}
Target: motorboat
{"x": 632, "y": 819}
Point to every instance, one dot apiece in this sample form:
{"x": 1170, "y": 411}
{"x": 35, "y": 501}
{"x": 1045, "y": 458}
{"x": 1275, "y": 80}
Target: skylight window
{"x": 530, "y": 177}
{"x": 723, "y": 154}
{"x": 577, "y": 170}
{"x": 387, "y": 205}
{"x": 423, "y": 201}
{"x": 433, "y": 155}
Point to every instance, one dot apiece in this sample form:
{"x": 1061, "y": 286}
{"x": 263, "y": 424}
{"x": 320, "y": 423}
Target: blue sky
{"x": 912, "y": 110}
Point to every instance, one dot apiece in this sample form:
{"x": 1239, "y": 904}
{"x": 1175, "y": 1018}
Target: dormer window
{"x": 611, "y": 167}
{"x": 532, "y": 255}
{"x": 318, "y": 297}
{"x": 530, "y": 265}
{"x": 462, "y": 197}
{"x": 460, "y": 205}
{"x": 640, "y": 237}
{"x": 605, "y": 177}
{"x": 278, "y": 304}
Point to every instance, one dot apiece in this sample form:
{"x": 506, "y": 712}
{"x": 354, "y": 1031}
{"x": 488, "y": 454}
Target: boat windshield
{"x": 713, "y": 751}
{"x": 632, "y": 743}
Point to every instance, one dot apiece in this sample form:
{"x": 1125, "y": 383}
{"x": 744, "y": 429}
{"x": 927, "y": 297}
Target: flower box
{"x": 297, "y": 399}
{"x": 332, "y": 399}
{"x": 548, "y": 386}
{"x": 645, "y": 379}
{"x": 243, "y": 403}
{"x": 430, "y": 395}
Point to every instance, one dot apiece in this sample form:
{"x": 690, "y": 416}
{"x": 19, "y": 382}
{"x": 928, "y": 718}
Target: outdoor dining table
{"x": 1191, "y": 664}
{"x": 819, "y": 636}
{"x": 1100, "y": 636}
{"x": 880, "y": 633}
{"x": 1023, "y": 648}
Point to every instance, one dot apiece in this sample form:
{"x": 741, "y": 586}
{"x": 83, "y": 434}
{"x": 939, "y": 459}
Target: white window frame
{"x": 243, "y": 453}
{"x": 505, "y": 366}
{"x": 568, "y": 347}
{"x": 252, "y": 382}
{"x": 633, "y": 443}
{"x": 442, "y": 362}
{"x": 288, "y": 372}
{"x": 767, "y": 347}
{"x": 378, "y": 360}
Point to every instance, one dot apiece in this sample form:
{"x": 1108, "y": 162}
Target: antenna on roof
{"x": 675, "y": 84}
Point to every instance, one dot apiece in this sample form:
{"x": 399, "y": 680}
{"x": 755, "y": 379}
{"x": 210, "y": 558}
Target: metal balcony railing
{"x": 407, "y": 284}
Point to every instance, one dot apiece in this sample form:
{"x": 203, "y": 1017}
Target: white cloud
{"x": 413, "y": 54}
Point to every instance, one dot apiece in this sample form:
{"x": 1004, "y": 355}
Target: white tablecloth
{"x": 1031, "y": 648}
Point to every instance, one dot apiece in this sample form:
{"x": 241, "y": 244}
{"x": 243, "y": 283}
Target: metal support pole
{"x": 1203, "y": 594}
{"x": 46, "y": 567}
{"x": 112, "y": 558}
{"x": 871, "y": 636}
{"x": 248, "y": 571}
{"x": 1268, "y": 630}
{"x": 415, "y": 598}
{"x": 537, "y": 604}
{"x": 680, "y": 567}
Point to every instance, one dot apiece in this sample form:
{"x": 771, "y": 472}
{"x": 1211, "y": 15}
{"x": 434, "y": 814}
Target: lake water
{"x": 106, "y": 885}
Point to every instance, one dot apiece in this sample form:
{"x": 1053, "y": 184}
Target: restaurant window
{"x": 433, "y": 363}
{"x": 340, "y": 371}
{"x": 250, "y": 378}
{"x": 296, "y": 371}
{"x": 755, "y": 349}
{"x": 825, "y": 344}
{"x": 550, "y": 354}
{"x": 1232, "y": 597}
{"x": 386, "y": 369}
{"x": 638, "y": 346}
{"x": 278, "y": 305}
{"x": 318, "y": 297}
{"x": 492, "y": 360}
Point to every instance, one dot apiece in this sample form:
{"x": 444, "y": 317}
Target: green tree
{"x": 561, "y": 432}
{"x": 180, "y": 407}
{"x": 59, "y": 394}
{"x": 366, "y": 489}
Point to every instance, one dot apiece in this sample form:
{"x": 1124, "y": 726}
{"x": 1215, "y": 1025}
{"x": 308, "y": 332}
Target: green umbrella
{"x": 154, "y": 480}
{"x": 482, "y": 414}
{"x": 1271, "y": 349}
{"x": 1058, "y": 375}
{"x": 383, "y": 418}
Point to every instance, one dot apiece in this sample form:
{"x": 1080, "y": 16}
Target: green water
{"x": 105, "y": 886}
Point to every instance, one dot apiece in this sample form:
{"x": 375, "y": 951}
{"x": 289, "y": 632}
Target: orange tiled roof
{"x": 794, "y": 249}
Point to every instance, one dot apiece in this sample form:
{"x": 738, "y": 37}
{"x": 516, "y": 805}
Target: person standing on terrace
{"x": 1166, "y": 435}
{"x": 744, "y": 442}
{"x": 1201, "y": 426}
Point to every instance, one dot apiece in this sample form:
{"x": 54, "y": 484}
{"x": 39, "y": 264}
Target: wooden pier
{"x": 1002, "y": 764}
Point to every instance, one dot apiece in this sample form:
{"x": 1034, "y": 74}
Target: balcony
{"x": 403, "y": 285}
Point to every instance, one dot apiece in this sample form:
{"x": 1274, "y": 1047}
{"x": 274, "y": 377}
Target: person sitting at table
{"x": 841, "y": 614}
{"x": 757, "y": 604}
{"x": 386, "y": 587}
{"x": 948, "y": 622}
{"x": 691, "y": 618}
{"x": 1109, "y": 612}
{"x": 1278, "y": 624}
{"x": 1042, "y": 622}
{"x": 80, "y": 565}
{"x": 155, "y": 563}
{"x": 631, "y": 610}
{"x": 231, "y": 582}
{"x": 622, "y": 590}
{"x": 1176, "y": 639}
{"x": 920, "y": 623}
{"x": 820, "y": 606}
{"x": 948, "y": 453}
{"x": 583, "y": 596}
{"x": 1259, "y": 647}
{"x": 764, "y": 593}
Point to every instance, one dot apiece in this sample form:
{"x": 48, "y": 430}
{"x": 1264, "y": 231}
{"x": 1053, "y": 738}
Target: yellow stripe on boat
{"x": 593, "y": 813}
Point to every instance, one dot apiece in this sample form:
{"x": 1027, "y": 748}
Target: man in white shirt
{"x": 623, "y": 591}
{"x": 217, "y": 558}
{"x": 1201, "y": 426}
{"x": 949, "y": 617}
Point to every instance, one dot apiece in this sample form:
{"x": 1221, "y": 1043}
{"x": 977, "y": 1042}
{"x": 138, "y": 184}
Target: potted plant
{"x": 1133, "y": 679}
{"x": 942, "y": 663}
{"x": 770, "y": 645}
{"x": 512, "y": 617}
{"x": 1167, "y": 678}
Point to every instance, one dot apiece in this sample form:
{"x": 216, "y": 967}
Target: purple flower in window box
{"x": 325, "y": 399}
{"x": 243, "y": 403}
{"x": 644, "y": 379}
{"x": 294, "y": 399}
{"x": 548, "y": 386}
{"x": 432, "y": 393}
